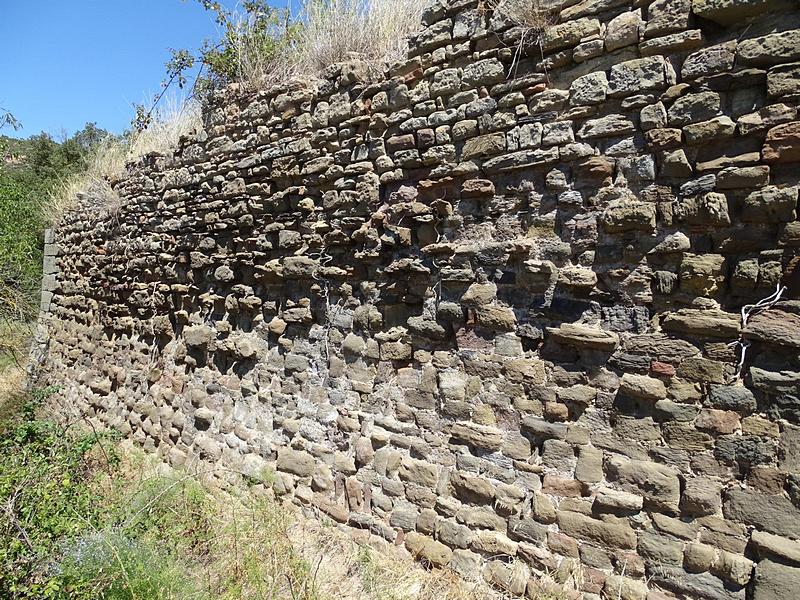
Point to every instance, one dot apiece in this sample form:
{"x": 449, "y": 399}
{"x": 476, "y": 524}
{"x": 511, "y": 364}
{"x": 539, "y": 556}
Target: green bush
{"x": 112, "y": 565}
{"x": 83, "y": 519}
{"x": 36, "y": 166}
{"x": 45, "y": 499}
{"x": 21, "y": 227}
{"x": 63, "y": 537}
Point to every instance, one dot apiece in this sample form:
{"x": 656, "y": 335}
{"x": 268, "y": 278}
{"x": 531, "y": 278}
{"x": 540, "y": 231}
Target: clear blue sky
{"x": 67, "y": 62}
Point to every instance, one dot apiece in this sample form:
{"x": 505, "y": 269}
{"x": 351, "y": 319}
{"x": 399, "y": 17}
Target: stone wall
{"x": 483, "y": 307}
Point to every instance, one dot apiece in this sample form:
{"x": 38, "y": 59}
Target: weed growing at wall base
{"x": 43, "y": 498}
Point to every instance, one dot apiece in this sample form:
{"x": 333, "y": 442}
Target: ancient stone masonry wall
{"x": 484, "y": 306}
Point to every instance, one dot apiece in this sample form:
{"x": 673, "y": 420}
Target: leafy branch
{"x": 9, "y": 120}
{"x": 256, "y": 29}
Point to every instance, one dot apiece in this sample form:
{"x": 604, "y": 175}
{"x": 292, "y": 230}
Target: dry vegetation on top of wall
{"x": 333, "y": 31}
{"x": 327, "y": 32}
{"x": 372, "y": 30}
{"x": 535, "y": 15}
{"x": 93, "y": 189}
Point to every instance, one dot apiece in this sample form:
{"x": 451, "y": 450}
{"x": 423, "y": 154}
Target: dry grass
{"x": 93, "y": 190}
{"x": 12, "y": 379}
{"x": 533, "y": 18}
{"x": 14, "y": 343}
{"x": 172, "y": 119}
{"x": 534, "y": 15}
{"x": 15, "y": 336}
{"x": 361, "y": 571}
{"x": 372, "y": 30}
{"x": 333, "y": 31}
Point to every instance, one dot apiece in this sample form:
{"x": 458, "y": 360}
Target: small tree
{"x": 253, "y": 38}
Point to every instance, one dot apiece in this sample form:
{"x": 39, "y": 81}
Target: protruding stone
{"x": 774, "y": 514}
{"x": 783, "y": 143}
{"x": 701, "y": 497}
{"x": 623, "y": 30}
{"x": 643, "y": 387}
{"x": 622, "y": 216}
{"x": 732, "y": 12}
{"x": 636, "y": 76}
{"x": 593, "y": 530}
{"x": 703, "y": 322}
{"x": 775, "y": 581}
{"x": 770, "y": 49}
{"x": 295, "y": 461}
{"x": 419, "y": 472}
{"x": 658, "y": 484}
{"x": 428, "y": 549}
{"x": 197, "y": 336}
{"x": 479, "y": 436}
{"x": 584, "y": 335}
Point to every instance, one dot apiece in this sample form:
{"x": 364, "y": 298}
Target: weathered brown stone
{"x": 774, "y": 514}
{"x": 418, "y": 471}
{"x": 479, "y": 436}
{"x": 296, "y": 461}
{"x": 701, "y": 497}
{"x": 474, "y": 490}
{"x": 782, "y": 144}
{"x": 587, "y": 528}
{"x": 428, "y": 549}
{"x": 582, "y": 335}
{"x": 768, "y": 545}
{"x": 776, "y": 327}
{"x": 710, "y": 323}
{"x": 624, "y": 588}
{"x": 730, "y": 12}
{"x": 642, "y": 387}
{"x": 775, "y": 581}
{"x": 658, "y": 484}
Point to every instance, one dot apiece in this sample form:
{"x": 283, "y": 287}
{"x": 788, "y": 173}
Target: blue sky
{"x": 66, "y": 62}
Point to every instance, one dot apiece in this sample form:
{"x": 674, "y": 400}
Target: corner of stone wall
{"x": 41, "y": 336}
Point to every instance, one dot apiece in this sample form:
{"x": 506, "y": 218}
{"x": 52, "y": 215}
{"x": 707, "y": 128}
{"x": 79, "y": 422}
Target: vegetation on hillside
{"x": 31, "y": 170}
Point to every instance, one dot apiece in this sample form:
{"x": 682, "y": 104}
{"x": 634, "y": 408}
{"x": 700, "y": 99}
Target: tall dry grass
{"x": 93, "y": 190}
{"x": 330, "y": 32}
{"x": 172, "y": 119}
{"x": 373, "y": 30}
{"x": 533, "y": 15}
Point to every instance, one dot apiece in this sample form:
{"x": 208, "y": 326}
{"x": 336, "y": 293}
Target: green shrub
{"x": 110, "y": 564}
{"x": 21, "y": 227}
{"x": 45, "y": 499}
